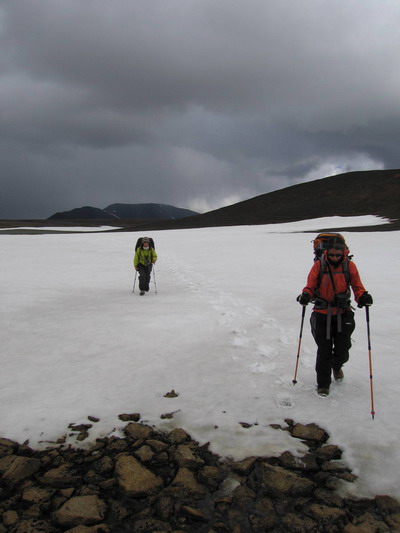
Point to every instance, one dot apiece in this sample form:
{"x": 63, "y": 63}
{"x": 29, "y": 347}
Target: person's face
{"x": 334, "y": 254}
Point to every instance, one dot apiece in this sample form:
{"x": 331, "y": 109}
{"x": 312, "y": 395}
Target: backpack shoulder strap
{"x": 324, "y": 269}
{"x": 346, "y": 270}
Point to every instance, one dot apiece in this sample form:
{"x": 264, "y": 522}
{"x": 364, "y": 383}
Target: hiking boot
{"x": 142, "y": 293}
{"x": 323, "y": 391}
{"x": 338, "y": 374}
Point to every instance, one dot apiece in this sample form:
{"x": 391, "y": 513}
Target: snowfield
{"x": 222, "y": 331}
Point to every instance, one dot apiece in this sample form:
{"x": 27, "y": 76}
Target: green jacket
{"x": 144, "y": 257}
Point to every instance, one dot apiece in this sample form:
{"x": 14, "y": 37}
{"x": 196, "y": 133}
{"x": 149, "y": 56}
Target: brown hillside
{"x": 375, "y": 192}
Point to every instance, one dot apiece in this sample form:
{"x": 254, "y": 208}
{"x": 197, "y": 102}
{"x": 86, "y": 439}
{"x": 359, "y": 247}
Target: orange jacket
{"x": 326, "y": 291}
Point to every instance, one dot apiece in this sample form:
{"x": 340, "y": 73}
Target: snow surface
{"x": 222, "y": 331}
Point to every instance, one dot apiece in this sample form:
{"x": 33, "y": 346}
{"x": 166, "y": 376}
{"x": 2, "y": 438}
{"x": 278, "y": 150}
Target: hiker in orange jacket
{"x": 332, "y": 319}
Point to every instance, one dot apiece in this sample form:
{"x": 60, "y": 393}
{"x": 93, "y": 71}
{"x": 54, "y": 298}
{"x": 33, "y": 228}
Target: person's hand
{"x": 365, "y": 299}
{"x": 304, "y": 298}
{"x": 136, "y": 268}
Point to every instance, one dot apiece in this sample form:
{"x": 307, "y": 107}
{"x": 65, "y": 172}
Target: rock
{"x": 145, "y": 454}
{"x": 151, "y": 525}
{"x": 60, "y": 477}
{"x": 34, "y": 525}
{"x": 328, "y": 452}
{"x": 178, "y": 436}
{"x": 277, "y": 482}
{"x": 296, "y": 524}
{"x": 134, "y": 479}
{"x": 387, "y": 504}
{"x": 366, "y": 524}
{"x": 171, "y": 394}
{"x": 245, "y": 466}
{"x": 156, "y": 445}
{"x": 10, "y": 518}
{"x": 37, "y": 494}
{"x": 133, "y": 417}
{"x": 186, "y": 481}
{"x": 309, "y": 432}
{"x": 194, "y": 514}
{"x": 16, "y": 468}
{"x": 306, "y": 463}
{"x": 138, "y": 431}
{"x": 327, "y": 515}
{"x": 184, "y": 457}
{"x": 81, "y": 510}
{"x": 100, "y": 528}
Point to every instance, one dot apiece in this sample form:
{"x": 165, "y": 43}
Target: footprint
{"x": 284, "y": 400}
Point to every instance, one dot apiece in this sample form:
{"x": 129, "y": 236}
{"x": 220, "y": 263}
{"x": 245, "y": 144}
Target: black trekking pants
{"x": 332, "y": 352}
{"x": 144, "y": 276}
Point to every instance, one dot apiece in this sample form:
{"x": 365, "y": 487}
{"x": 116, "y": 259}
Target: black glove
{"x": 304, "y": 298}
{"x": 365, "y": 299}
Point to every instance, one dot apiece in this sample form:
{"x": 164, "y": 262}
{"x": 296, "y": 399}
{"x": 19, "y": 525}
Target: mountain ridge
{"x": 372, "y": 192}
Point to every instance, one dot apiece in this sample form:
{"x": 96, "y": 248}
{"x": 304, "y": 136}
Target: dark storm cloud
{"x": 194, "y": 103}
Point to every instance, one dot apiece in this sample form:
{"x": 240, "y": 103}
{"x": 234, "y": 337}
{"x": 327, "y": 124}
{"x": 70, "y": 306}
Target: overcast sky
{"x": 193, "y": 103}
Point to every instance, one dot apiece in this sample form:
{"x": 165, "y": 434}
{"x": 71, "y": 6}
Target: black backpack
{"x": 140, "y": 240}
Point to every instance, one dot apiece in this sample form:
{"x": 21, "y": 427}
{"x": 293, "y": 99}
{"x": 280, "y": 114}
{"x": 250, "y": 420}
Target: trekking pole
{"x": 134, "y": 281}
{"x": 370, "y": 363}
{"x": 154, "y": 277}
{"x": 303, "y": 313}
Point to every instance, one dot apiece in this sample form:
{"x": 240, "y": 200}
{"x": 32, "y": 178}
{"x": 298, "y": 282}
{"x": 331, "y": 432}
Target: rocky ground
{"x": 151, "y": 482}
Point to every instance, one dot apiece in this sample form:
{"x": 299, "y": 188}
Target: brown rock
{"x": 156, "y": 445}
{"x": 100, "y": 528}
{"x": 178, "y": 436}
{"x": 245, "y": 466}
{"x": 138, "y": 431}
{"x": 387, "y": 504}
{"x": 134, "y": 479}
{"x": 186, "y": 480}
{"x": 81, "y": 510}
{"x": 10, "y": 518}
{"x": 306, "y": 463}
{"x": 60, "y": 477}
{"x": 309, "y": 432}
{"x": 145, "y": 454}
{"x": 194, "y": 514}
{"x": 16, "y": 468}
{"x": 276, "y": 481}
{"x": 133, "y": 417}
{"x": 366, "y": 524}
{"x": 327, "y": 515}
{"x": 36, "y": 494}
{"x": 328, "y": 452}
{"x": 184, "y": 457}
{"x": 33, "y": 525}
{"x": 296, "y": 524}
{"x": 147, "y": 525}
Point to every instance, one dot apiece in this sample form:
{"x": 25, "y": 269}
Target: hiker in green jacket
{"x": 145, "y": 257}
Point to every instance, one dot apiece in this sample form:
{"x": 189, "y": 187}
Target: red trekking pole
{"x": 303, "y": 313}
{"x": 370, "y": 363}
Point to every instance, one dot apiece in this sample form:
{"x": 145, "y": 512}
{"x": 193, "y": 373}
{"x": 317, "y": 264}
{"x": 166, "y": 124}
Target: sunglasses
{"x": 335, "y": 255}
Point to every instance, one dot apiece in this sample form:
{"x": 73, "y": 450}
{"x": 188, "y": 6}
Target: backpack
{"x": 320, "y": 245}
{"x": 140, "y": 241}
{"x": 322, "y": 239}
